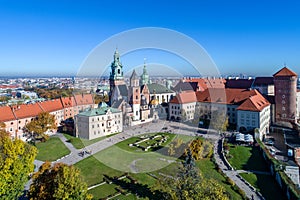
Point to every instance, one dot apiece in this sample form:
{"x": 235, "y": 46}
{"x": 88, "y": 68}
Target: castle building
{"x": 285, "y": 83}
{"x": 133, "y": 100}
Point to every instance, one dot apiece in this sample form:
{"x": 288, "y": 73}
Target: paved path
{"x": 174, "y": 127}
{"x": 233, "y": 174}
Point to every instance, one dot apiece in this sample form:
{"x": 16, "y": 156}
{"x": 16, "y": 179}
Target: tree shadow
{"x": 141, "y": 190}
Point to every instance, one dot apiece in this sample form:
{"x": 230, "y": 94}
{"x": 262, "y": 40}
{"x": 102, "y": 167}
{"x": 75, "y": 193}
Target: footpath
{"x": 173, "y": 127}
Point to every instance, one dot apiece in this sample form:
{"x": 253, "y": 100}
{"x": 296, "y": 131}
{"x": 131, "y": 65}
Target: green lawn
{"x": 51, "y": 150}
{"x": 79, "y": 143}
{"x": 94, "y": 168}
{"x": 93, "y": 171}
{"x": 247, "y": 158}
{"x": 103, "y": 191}
{"x": 125, "y": 144}
{"x": 265, "y": 184}
{"x": 207, "y": 169}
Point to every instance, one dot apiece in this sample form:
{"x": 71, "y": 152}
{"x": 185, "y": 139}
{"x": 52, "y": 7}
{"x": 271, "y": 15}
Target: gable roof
{"x": 285, "y": 72}
{"x": 27, "y": 110}
{"x": 204, "y": 83}
{"x": 51, "y": 105}
{"x": 158, "y": 89}
{"x": 68, "y": 102}
{"x": 255, "y": 103}
{"x": 225, "y": 96}
{"x": 123, "y": 90}
{"x": 83, "y": 99}
{"x": 184, "y": 97}
{"x": 6, "y": 114}
{"x": 185, "y": 86}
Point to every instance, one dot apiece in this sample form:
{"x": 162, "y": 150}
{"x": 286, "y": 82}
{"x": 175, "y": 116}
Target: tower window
{"x": 136, "y": 97}
{"x": 118, "y": 71}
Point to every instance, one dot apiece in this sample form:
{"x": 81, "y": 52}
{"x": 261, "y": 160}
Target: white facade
{"x": 163, "y": 97}
{"x": 184, "y": 111}
{"x": 250, "y": 120}
{"x": 136, "y": 112}
{"x": 94, "y": 124}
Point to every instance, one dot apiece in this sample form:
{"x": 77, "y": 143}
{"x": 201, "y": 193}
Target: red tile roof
{"x": 51, "y": 105}
{"x": 6, "y": 114}
{"x": 204, "y": 83}
{"x": 84, "y": 99}
{"x": 255, "y": 103}
{"x": 68, "y": 102}
{"x": 184, "y": 97}
{"x": 27, "y": 110}
{"x": 285, "y": 72}
{"x": 225, "y": 96}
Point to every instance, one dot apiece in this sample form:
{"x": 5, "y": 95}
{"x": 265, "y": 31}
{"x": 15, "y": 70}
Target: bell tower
{"x": 135, "y": 95}
{"x": 116, "y": 74}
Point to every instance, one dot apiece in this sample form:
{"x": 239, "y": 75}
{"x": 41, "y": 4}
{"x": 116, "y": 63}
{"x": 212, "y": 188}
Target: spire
{"x": 145, "y": 76}
{"x": 116, "y": 55}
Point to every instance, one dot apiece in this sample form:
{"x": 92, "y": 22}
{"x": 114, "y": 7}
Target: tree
{"x": 189, "y": 184}
{"x": 37, "y": 127}
{"x": 16, "y": 163}
{"x": 174, "y": 147}
{"x": 58, "y": 182}
{"x": 200, "y": 149}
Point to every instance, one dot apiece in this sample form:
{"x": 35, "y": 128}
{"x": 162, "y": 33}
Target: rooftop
{"x": 285, "y": 72}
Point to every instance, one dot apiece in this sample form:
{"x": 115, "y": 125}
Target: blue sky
{"x": 54, "y": 37}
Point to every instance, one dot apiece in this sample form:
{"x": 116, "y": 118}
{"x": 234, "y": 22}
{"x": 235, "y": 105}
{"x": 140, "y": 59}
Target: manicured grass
{"x": 93, "y": 171}
{"x": 51, "y": 150}
{"x": 125, "y": 144}
{"x": 79, "y": 143}
{"x": 208, "y": 170}
{"x": 247, "y": 158}
{"x": 103, "y": 191}
{"x": 265, "y": 184}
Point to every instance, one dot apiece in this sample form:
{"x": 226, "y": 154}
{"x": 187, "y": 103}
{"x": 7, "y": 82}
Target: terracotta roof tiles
{"x": 285, "y": 72}
{"x": 6, "y": 114}
{"x": 51, "y": 105}
{"x": 27, "y": 110}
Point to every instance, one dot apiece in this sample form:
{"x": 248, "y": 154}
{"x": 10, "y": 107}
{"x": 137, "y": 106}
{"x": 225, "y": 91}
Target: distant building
{"x": 98, "y": 122}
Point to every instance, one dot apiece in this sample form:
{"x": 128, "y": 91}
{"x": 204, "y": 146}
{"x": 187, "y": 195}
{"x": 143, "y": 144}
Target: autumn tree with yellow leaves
{"x": 16, "y": 164}
{"x": 60, "y": 181}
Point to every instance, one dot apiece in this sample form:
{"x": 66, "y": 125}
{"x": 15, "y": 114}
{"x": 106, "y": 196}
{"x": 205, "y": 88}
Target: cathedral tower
{"x": 135, "y": 95}
{"x": 116, "y": 74}
{"x": 145, "y": 75}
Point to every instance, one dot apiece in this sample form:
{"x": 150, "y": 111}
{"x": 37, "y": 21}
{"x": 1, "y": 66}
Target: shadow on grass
{"x": 256, "y": 161}
{"x": 141, "y": 190}
{"x": 266, "y": 184}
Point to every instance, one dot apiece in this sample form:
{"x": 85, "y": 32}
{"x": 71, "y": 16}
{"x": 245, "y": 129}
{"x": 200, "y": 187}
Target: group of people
{"x": 83, "y": 152}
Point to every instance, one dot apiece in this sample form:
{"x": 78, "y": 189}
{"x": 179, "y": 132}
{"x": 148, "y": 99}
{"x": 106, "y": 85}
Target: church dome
{"x": 154, "y": 102}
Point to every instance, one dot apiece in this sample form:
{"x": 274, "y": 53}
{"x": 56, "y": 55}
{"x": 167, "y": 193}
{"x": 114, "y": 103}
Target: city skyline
{"x": 54, "y": 37}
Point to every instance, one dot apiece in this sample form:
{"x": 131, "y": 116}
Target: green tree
{"x": 37, "y": 127}
{"x": 16, "y": 163}
{"x": 58, "y": 182}
{"x": 189, "y": 184}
